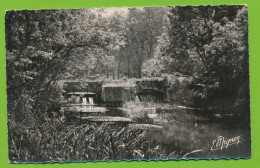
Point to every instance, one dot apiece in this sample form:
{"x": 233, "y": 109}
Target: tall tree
{"x": 143, "y": 26}
{"x": 210, "y": 45}
{"x": 42, "y": 45}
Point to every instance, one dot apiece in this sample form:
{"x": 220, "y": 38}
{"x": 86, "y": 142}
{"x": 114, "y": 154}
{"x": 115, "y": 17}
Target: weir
{"x": 92, "y": 100}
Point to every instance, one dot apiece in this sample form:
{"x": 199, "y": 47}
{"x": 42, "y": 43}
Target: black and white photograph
{"x": 124, "y": 84}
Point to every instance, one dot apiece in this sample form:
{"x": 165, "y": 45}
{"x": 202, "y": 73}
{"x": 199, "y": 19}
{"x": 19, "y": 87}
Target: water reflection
{"x": 190, "y": 129}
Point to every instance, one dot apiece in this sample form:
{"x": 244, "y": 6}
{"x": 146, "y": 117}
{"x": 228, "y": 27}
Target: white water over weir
{"x": 87, "y": 101}
{"x": 84, "y": 101}
{"x": 91, "y": 101}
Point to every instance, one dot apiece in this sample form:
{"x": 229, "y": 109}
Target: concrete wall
{"x": 116, "y": 94}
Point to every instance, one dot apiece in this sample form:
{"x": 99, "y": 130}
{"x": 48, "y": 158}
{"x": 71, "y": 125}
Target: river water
{"x": 185, "y": 130}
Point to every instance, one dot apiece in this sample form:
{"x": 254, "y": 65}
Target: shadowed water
{"x": 185, "y": 130}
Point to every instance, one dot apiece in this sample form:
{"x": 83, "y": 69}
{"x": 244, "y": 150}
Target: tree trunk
{"x": 119, "y": 64}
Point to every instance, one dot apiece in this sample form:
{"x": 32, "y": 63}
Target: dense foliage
{"x": 211, "y": 46}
